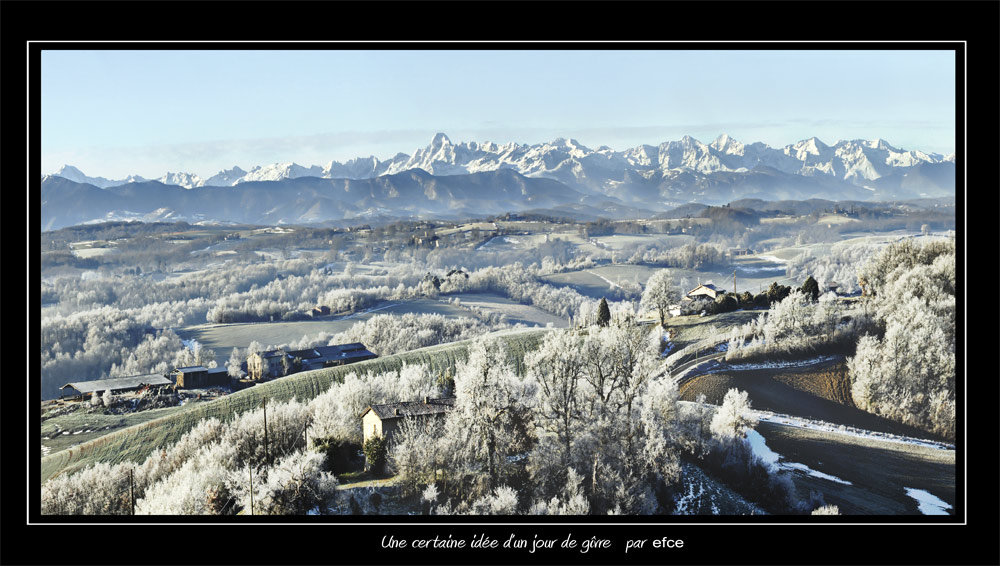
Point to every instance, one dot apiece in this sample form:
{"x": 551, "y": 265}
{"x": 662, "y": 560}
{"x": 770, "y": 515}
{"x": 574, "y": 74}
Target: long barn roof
{"x": 131, "y": 382}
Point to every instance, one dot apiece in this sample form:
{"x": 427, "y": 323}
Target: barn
{"x": 115, "y": 385}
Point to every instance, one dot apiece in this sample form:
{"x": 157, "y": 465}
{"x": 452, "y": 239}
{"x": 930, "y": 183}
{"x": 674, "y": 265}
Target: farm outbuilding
{"x": 115, "y": 385}
{"x": 192, "y": 377}
{"x": 308, "y": 359}
{"x": 384, "y": 420}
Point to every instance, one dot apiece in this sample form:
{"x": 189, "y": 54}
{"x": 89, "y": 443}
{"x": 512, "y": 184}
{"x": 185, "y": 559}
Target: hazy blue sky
{"x": 114, "y": 113}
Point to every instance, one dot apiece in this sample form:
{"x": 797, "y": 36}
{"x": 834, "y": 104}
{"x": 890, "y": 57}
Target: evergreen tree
{"x": 811, "y": 288}
{"x": 603, "y": 313}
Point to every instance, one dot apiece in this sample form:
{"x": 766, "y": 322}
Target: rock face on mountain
{"x": 472, "y": 178}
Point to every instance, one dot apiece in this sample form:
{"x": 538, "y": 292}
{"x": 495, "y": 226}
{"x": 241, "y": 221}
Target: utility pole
{"x": 734, "y": 281}
{"x": 131, "y": 490}
{"x": 267, "y": 452}
{"x": 250, "y": 467}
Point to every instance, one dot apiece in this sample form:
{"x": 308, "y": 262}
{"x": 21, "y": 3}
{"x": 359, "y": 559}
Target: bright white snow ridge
{"x": 762, "y": 451}
{"x": 928, "y": 504}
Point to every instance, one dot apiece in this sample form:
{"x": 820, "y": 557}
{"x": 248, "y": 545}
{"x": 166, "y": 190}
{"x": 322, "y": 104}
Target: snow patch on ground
{"x": 782, "y": 364}
{"x": 762, "y": 451}
{"x": 683, "y": 504}
{"x": 801, "y": 422}
{"x": 928, "y": 504}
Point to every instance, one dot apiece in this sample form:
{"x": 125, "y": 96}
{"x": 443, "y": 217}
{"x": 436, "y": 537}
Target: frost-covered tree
{"x": 490, "y": 414}
{"x": 906, "y": 370}
{"x": 422, "y": 453}
{"x": 810, "y": 288}
{"x": 556, "y": 368}
{"x": 734, "y": 417}
{"x": 234, "y": 363}
{"x": 826, "y": 510}
{"x": 108, "y": 398}
{"x": 603, "y": 313}
{"x": 198, "y": 487}
{"x": 660, "y": 294}
{"x": 618, "y": 425}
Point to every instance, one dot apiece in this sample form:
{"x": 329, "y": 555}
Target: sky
{"x": 116, "y": 113}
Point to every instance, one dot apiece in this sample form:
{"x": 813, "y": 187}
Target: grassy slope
{"x": 820, "y": 391}
{"x": 137, "y": 442}
{"x": 83, "y": 426}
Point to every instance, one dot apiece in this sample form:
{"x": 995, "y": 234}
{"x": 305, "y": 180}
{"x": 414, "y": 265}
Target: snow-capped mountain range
{"x": 858, "y": 162}
{"x": 468, "y": 180}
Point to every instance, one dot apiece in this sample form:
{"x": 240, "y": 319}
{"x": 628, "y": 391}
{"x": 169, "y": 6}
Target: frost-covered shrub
{"x": 286, "y": 427}
{"x": 503, "y": 501}
{"x": 101, "y": 489}
{"x": 295, "y": 485}
{"x": 571, "y": 501}
{"x": 826, "y": 510}
{"x": 199, "y": 487}
{"x": 163, "y": 462}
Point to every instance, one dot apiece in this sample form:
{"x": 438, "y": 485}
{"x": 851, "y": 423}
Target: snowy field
{"x": 754, "y": 276}
{"x": 513, "y": 242}
{"x": 224, "y": 337}
{"x": 619, "y": 242}
{"x": 93, "y": 252}
{"x": 516, "y": 312}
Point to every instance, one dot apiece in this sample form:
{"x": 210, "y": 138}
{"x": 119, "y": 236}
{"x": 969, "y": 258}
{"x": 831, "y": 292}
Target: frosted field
{"x": 224, "y": 337}
{"x": 482, "y": 226}
{"x": 619, "y": 242}
{"x": 754, "y": 275}
{"x": 87, "y": 249}
{"x": 516, "y": 312}
{"x": 849, "y": 239}
{"x": 835, "y": 219}
{"x": 513, "y": 242}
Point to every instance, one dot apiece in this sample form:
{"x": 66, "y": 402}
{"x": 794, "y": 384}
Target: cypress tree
{"x": 603, "y": 313}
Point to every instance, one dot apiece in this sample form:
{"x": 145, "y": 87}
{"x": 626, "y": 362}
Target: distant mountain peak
{"x": 440, "y": 139}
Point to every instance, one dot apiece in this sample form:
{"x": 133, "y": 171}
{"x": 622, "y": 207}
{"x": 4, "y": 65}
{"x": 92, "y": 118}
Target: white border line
{"x": 30, "y": 489}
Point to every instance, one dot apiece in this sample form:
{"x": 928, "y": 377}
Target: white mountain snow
{"x": 568, "y": 161}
